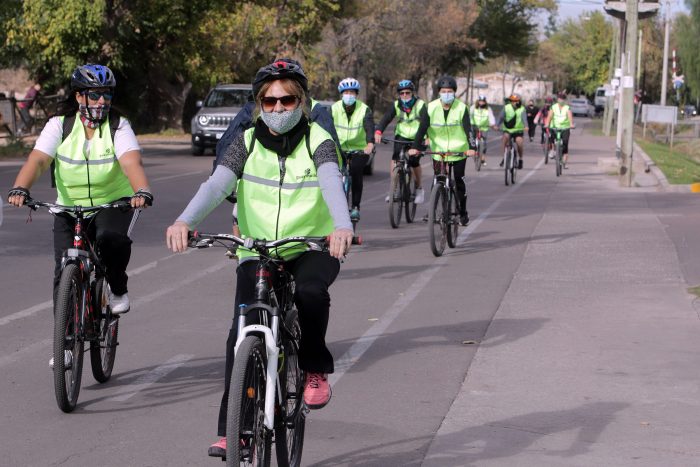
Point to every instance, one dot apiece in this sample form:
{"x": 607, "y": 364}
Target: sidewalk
{"x": 611, "y": 378}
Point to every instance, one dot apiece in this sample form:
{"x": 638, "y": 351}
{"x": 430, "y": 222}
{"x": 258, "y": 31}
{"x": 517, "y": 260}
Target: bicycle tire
{"x": 452, "y": 220}
{"x": 436, "y": 226}
{"x": 558, "y": 158}
{"x": 546, "y": 152}
{"x": 506, "y": 165}
{"x": 290, "y": 424}
{"x": 409, "y": 199}
{"x": 103, "y": 350}
{"x": 66, "y": 338}
{"x": 396, "y": 197}
{"x": 248, "y": 441}
{"x": 481, "y": 155}
{"x": 513, "y": 167}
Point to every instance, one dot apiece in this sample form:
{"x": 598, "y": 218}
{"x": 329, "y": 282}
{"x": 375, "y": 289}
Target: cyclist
{"x": 531, "y": 111}
{"x": 406, "y": 109}
{"x": 282, "y": 147}
{"x": 541, "y": 117}
{"x": 561, "y": 118}
{"x": 513, "y": 121}
{"x": 97, "y": 160}
{"x": 482, "y": 118}
{"x": 448, "y": 126}
{"x": 355, "y": 126}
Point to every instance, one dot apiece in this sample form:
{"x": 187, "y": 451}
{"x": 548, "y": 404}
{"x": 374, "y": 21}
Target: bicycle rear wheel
{"x": 558, "y": 158}
{"x": 67, "y": 341}
{"x": 396, "y": 197}
{"x": 409, "y": 200}
{"x": 437, "y": 228}
{"x": 103, "y": 349}
{"x": 248, "y": 441}
{"x": 451, "y": 220}
{"x": 290, "y": 421}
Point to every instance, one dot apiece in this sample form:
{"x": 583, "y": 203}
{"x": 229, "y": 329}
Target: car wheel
{"x": 197, "y": 150}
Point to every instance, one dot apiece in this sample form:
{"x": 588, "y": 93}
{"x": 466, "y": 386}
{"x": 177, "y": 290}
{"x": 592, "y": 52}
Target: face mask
{"x": 93, "y": 115}
{"x": 483, "y": 106}
{"x": 447, "y": 97}
{"x": 406, "y": 101}
{"x": 282, "y": 122}
{"x": 348, "y": 99}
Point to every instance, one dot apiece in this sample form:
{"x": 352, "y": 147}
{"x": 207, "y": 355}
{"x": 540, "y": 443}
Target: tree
{"x": 687, "y": 40}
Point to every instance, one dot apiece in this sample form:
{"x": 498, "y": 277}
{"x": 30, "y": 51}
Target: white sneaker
{"x": 551, "y": 153}
{"x": 119, "y": 303}
{"x": 386, "y": 200}
{"x": 68, "y": 360}
{"x": 420, "y": 196}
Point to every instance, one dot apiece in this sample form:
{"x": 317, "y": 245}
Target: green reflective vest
{"x": 351, "y": 134}
{"x": 560, "y": 117}
{"x": 518, "y": 126}
{"x": 408, "y": 123}
{"x": 447, "y": 135}
{"x": 83, "y": 181}
{"x": 480, "y": 118}
{"x": 271, "y": 207}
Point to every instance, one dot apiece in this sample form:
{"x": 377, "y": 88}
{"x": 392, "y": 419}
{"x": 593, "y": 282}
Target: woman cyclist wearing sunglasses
{"x": 285, "y": 171}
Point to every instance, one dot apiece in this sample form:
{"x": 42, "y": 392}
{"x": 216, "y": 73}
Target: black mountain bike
{"x": 266, "y": 392}
{"x": 558, "y": 150}
{"x": 82, "y": 312}
{"x": 402, "y": 193}
{"x": 510, "y": 160}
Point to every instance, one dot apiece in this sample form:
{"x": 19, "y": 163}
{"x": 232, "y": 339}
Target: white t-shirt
{"x": 52, "y": 135}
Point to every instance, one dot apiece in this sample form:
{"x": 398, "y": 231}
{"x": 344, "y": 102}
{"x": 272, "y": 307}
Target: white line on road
{"x": 151, "y": 377}
{"x": 361, "y": 345}
{"x": 170, "y": 177}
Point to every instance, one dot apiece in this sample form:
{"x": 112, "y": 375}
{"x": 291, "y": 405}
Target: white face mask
{"x": 447, "y": 97}
{"x": 282, "y": 122}
{"x": 349, "y": 99}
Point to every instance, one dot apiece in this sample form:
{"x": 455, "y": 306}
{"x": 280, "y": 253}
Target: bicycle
{"x": 266, "y": 391}
{"x": 480, "y": 149}
{"x": 402, "y": 193}
{"x": 510, "y": 163}
{"x": 347, "y": 181}
{"x": 558, "y": 150}
{"x": 443, "y": 212}
{"x": 545, "y": 144}
{"x": 82, "y": 312}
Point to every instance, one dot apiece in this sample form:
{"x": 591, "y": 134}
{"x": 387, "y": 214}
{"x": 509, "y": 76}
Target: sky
{"x": 574, "y": 8}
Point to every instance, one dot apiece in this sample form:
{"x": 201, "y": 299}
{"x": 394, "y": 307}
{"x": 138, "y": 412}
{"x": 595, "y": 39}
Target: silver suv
{"x": 216, "y": 112}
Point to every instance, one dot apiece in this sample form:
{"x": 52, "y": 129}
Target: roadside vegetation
{"x": 14, "y": 149}
{"x": 681, "y": 166}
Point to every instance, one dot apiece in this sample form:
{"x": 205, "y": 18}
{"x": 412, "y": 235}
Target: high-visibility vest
{"x": 480, "y": 118}
{"x": 408, "y": 123}
{"x": 351, "y": 133}
{"x": 447, "y": 134}
{"x": 271, "y": 207}
{"x": 560, "y": 117}
{"x": 510, "y": 113}
{"x": 93, "y": 180}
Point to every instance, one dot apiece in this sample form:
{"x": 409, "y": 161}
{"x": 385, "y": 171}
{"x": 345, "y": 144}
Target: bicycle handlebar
{"x": 34, "y": 204}
{"x": 205, "y": 240}
{"x": 389, "y": 140}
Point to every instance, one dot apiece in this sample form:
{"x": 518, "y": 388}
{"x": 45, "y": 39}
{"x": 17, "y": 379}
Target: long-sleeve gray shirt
{"x": 223, "y": 182}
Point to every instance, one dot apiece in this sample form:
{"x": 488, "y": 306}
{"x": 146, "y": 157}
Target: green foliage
{"x": 505, "y": 27}
{"x": 687, "y": 39}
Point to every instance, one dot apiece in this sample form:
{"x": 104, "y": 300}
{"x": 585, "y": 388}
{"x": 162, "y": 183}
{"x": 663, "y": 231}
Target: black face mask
{"x": 483, "y": 106}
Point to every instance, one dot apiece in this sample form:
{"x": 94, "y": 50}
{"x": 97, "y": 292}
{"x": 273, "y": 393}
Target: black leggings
{"x": 107, "y": 229}
{"x": 460, "y": 183}
{"x": 564, "y": 139}
{"x": 313, "y": 272}
{"x": 357, "y": 167}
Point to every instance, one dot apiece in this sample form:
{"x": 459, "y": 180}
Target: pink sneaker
{"x": 317, "y": 391}
{"x": 218, "y": 449}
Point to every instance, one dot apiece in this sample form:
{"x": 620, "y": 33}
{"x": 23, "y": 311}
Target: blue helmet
{"x": 92, "y": 76}
{"x": 405, "y": 84}
{"x": 349, "y": 84}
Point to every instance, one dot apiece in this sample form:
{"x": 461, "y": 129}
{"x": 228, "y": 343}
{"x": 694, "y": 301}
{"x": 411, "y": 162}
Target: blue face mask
{"x": 447, "y": 97}
{"x": 349, "y": 99}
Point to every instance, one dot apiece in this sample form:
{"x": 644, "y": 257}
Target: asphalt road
{"x": 404, "y": 327}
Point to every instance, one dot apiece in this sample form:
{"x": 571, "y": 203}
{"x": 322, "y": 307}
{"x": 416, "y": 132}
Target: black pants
{"x": 531, "y": 128}
{"x": 413, "y": 161}
{"x": 313, "y": 272}
{"x": 564, "y": 139}
{"x": 357, "y": 167}
{"x": 107, "y": 229}
{"x": 460, "y": 184}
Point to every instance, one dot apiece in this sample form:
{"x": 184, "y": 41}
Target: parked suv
{"x": 216, "y": 112}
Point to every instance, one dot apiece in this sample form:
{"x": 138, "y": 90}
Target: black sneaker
{"x": 463, "y": 219}
{"x": 520, "y": 164}
{"x": 501, "y": 164}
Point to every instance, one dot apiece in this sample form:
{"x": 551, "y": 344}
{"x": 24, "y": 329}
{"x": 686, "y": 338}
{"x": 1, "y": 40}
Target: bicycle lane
{"x": 610, "y": 377}
{"x": 390, "y": 399}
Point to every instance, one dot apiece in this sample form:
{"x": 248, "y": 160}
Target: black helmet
{"x": 280, "y": 69}
{"x": 447, "y": 82}
{"x": 92, "y": 76}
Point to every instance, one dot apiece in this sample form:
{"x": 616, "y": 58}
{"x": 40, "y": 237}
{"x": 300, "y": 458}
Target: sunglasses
{"x": 405, "y": 93}
{"x": 95, "y": 95}
{"x": 289, "y": 102}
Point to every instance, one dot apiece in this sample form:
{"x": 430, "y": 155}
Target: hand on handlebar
{"x": 17, "y": 196}
{"x": 377, "y": 138}
{"x": 176, "y": 236}
{"x": 470, "y": 152}
{"x": 339, "y": 242}
{"x": 368, "y": 148}
{"x": 413, "y": 152}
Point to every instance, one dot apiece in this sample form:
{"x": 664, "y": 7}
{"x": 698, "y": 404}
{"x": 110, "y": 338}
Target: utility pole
{"x": 629, "y": 67}
{"x": 664, "y": 76}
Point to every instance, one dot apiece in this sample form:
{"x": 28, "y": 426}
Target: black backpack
{"x": 68, "y": 123}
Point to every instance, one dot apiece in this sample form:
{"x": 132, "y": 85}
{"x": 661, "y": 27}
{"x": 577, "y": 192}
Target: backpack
{"x": 68, "y": 122}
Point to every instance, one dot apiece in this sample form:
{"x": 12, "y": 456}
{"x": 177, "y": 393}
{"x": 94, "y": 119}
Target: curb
{"x": 650, "y": 166}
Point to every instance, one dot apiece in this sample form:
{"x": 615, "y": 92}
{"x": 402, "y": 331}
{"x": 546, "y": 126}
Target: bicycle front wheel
{"x": 479, "y": 156}
{"x": 409, "y": 198}
{"x": 559, "y": 161}
{"x": 248, "y": 441}
{"x": 507, "y": 158}
{"x": 103, "y": 349}
{"x": 396, "y": 197}
{"x": 290, "y": 422}
{"x": 451, "y": 220}
{"x": 67, "y": 341}
{"x": 437, "y": 228}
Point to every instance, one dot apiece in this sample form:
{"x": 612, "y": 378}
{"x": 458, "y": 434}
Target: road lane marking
{"x": 152, "y": 377}
{"x": 362, "y": 344}
{"x": 15, "y": 355}
{"x": 170, "y": 177}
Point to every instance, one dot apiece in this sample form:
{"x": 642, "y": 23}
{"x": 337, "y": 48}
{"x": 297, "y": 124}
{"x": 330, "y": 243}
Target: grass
{"x": 695, "y": 290}
{"x": 15, "y": 149}
{"x": 595, "y": 128}
{"x": 165, "y": 134}
{"x": 680, "y": 167}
